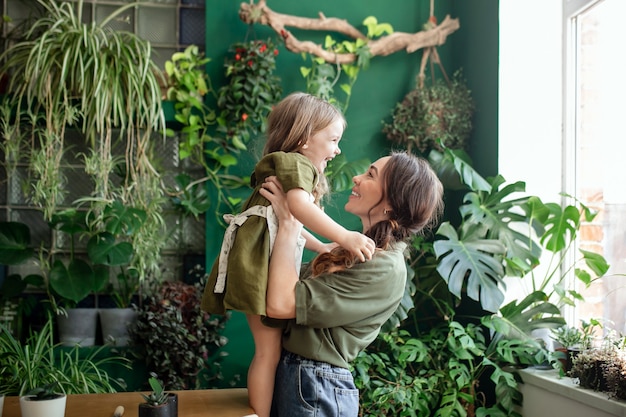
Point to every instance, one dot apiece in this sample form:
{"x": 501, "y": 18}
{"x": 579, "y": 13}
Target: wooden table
{"x": 232, "y": 402}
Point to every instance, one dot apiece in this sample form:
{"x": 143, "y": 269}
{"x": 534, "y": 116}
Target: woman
{"x": 339, "y": 305}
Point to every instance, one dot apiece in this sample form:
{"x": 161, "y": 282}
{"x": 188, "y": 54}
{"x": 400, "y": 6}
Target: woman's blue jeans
{"x": 308, "y": 388}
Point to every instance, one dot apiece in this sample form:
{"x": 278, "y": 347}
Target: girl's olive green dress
{"x": 245, "y": 283}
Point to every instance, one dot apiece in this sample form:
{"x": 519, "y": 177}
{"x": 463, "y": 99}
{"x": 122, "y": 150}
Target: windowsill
{"x": 569, "y": 390}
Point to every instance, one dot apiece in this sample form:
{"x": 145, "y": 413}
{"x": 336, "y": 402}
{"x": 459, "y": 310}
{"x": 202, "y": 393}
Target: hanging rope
{"x": 431, "y": 52}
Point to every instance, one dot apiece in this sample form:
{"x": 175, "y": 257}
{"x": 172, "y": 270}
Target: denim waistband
{"x": 290, "y": 357}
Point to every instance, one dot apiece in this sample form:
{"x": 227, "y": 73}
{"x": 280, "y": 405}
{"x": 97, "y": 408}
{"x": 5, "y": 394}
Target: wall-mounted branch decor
{"x": 386, "y": 45}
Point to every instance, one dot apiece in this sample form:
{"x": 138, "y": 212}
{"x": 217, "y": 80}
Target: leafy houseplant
{"x": 84, "y": 76}
{"x": 250, "y": 92}
{"x": 442, "y": 111}
{"x": 158, "y": 403}
{"x": 462, "y": 269}
{"x": 37, "y": 363}
{"x": 178, "y": 340}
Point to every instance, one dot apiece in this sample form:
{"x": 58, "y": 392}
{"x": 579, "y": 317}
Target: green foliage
{"x": 434, "y": 365}
{"x": 437, "y": 372}
{"x": 69, "y": 73}
{"x": 177, "y": 340}
{"x": 321, "y": 77}
{"x": 441, "y": 111}
{"x": 38, "y": 363}
{"x": 213, "y": 138}
{"x": 158, "y": 396}
{"x": 47, "y": 392}
{"x": 504, "y": 234}
{"x": 108, "y": 244}
{"x": 250, "y": 92}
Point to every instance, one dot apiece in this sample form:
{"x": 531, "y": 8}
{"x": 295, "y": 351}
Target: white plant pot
{"x": 1, "y": 403}
{"x": 45, "y": 408}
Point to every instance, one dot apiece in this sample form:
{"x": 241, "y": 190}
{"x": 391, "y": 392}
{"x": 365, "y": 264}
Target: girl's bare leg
{"x": 262, "y": 371}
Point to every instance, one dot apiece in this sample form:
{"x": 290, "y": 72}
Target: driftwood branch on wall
{"x": 411, "y": 42}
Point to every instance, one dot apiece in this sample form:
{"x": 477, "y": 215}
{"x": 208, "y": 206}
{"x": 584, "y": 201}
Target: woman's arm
{"x": 281, "y": 295}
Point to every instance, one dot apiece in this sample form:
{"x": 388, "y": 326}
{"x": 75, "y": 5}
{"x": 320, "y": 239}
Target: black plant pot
{"x": 169, "y": 409}
{"x": 147, "y": 410}
{"x": 172, "y": 403}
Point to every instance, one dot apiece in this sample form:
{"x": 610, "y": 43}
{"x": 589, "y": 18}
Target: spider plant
{"x": 70, "y": 73}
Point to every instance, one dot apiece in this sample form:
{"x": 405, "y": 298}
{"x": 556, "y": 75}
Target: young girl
{"x": 303, "y": 134}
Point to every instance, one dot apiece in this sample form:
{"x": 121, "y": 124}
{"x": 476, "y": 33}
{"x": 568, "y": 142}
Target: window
{"x": 595, "y": 136}
{"x": 560, "y": 100}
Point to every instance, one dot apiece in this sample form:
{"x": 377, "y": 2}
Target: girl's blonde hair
{"x": 294, "y": 120}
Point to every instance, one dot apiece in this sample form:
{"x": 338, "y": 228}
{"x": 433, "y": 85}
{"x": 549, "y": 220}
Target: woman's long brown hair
{"x": 415, "y": 196}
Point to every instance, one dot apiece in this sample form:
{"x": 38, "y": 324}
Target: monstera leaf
{"x": 471, "y": 263}
{"x": 14, "y": 243}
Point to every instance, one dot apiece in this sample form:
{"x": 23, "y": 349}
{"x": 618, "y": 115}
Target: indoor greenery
{"x": 215, "y": 126}
{"x": 38, "y": 362}
{"x": 71, "y": 74}
{"x": 440, "y": 111}
{"x": 67, "y": 277}
{"x": 454, "y": 301}
{"x": 158, "y": 396}
{"x": 176, "y": 339}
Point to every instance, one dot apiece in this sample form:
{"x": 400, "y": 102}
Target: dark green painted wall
{"x": 474, "y": 47}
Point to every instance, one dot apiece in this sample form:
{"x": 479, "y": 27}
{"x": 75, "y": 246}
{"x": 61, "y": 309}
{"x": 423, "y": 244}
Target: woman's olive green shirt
{"x": 341, "y": 313}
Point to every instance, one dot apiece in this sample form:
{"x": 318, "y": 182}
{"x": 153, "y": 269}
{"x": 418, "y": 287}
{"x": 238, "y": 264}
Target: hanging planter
{"x": 432, "y": 113}
{"x": 441, "y": 111}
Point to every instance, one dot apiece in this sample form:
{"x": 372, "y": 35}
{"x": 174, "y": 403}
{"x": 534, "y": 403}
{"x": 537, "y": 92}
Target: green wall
{"x": 377, "y": 90}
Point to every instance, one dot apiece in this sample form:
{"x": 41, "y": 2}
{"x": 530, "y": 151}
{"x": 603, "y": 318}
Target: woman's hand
{"x": 272, "y": 189}
{"x": 282, "y": 274}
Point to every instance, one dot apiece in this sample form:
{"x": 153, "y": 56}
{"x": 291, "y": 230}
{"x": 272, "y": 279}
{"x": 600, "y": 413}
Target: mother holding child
{"x": 334, "y": 307}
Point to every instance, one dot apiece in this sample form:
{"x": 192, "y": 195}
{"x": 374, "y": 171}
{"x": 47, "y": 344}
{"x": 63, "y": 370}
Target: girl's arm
{"x": 314, "y": 218}
{"x": 314, "y": 244}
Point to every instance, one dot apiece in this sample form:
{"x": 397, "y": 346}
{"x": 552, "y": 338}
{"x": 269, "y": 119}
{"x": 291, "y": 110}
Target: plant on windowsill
{"x": 596, "y": 368}
{"x": 573, "y": 340}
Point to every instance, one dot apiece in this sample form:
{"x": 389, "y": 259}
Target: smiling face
{"x": 366, "y": 200}
{"x": 324, "y": 145}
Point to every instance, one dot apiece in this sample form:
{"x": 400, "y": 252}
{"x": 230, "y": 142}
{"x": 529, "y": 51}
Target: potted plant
{"x": 116, "y": 322}
{"x": 106, "y": 246}
{"x": 615, "y": 375}
{"x": 177, "y": 340}
{"x": 573, "y": 340}
{"x": 43, "y": 401}
{"x": 38, "y": 362}
{"x": 71, "y": 74}
{"x": 441, "y": 111}
{"x": 158, "y": 403}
